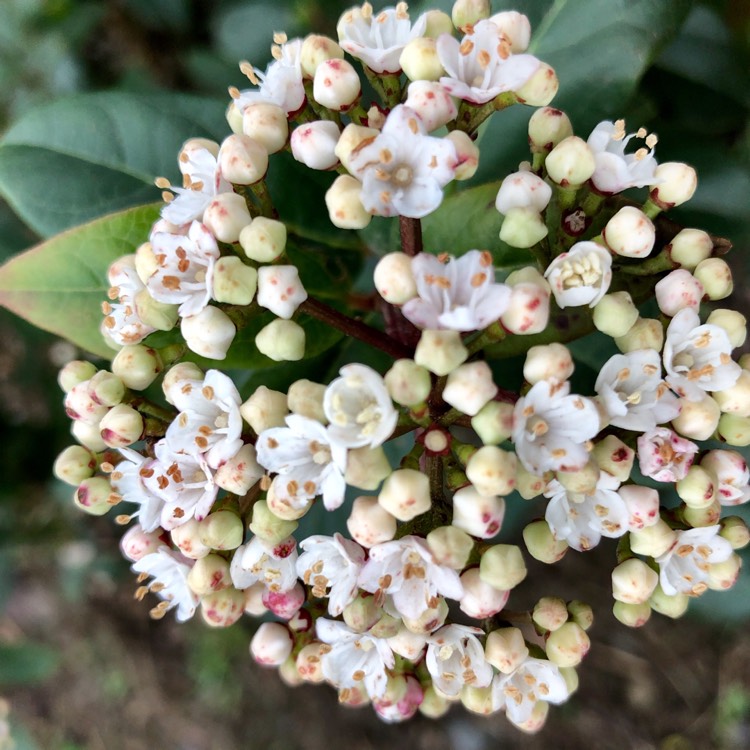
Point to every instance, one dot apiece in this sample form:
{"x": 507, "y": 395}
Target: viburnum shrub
{"x": 453, "y": 395}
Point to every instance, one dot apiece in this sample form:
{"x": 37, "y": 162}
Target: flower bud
{"x": 677, "y": 290}
{"x": 733, "y": 322}
{"x": 186, "y": 537}
{"x": 429, "y": 99}
{"x": 266, "y": 125}
{"x": 369, "y": 523}
{"x": 209, "y": 333}
{"x": 282, "y": 340}
{"x": 633, "y": 581}
{"x": 429, "y": 621}
{"x": 440, "y": 351}
{"x": 394, "y": 279}
{"x": 716, "y": 277}
{"x": 344, "y": 203}
{"x": 698, "y": 488}
{"x": 630, "y": 233}
{"x": 733, "y": 430}
{"x": 265, "y": 409}
{"x": 270, "y": 528}
{"x": 234, "y": 282}
{"x": 523, "y": 227}
{"x": 698, "y": 420}
{"x": 515, "y": 28}
{"x": 480, "y": 516}
{"x": 210, "y": 573}
{"x": 470, "y": 387}
{"x": 310, "y": 662}
{"x": 547, "y": 127}
{"x": 506, "y": 649}
{"x": 74, "y": 464}
{"x": 221, "y": 609}
{"x": 642, "y": 504}
{"x": 615, "y": 314}
{"x": 336, "y": 84}
{"x": 407, "y": 644}
{"x": 583, "y": 480}
{"x": 405, "y": 494}
{"x": 420, "y": 62}
{"x": 387, "y": 626}
{"x": 226, "y": 216}
{"x": 433, "y": 706}
{"x": 540, "y": 89}
{"x": 652, "y": 541}
{"x": 735, "y": 530}
{"x": 362, "y": 613}
{"x": 723, "y": 575}
{"x": 95, "y": 496}
{"x": 264, "y": 239}
{"x": 222, "y": 530}
{"x": 88, "y": 435}
{"x": 284, "y": 508}
{"x": 450, "y": 546}
{"x": 478, "y": 700}
{"x": 550, "y": 613}
{"x": 676, "y": 184}
{"x": 314, "y": 143}
{"x": 121, "y": 426}
{"x": 467, "y": 154}
{"x": 706, "y": 516}
{"x": 632, "y": 615}
{"x": 571, "y": 162}
{"x": 502, "y": 566}
{"x": 480, "y": 600}
{"x": 669, "y": 606}
{"x": 408, "y": 383}
{"x": 174, "y": 376}
{"x": 306, "y": 398}
{"x": 438, "y": 23}
{"x": 581, "y": 613}
{"x": 645, "y": 333}
{"x": 614, "y": 457}
{"x": 106, "y": 388}
{"x": 137, "y": 366}
{"x": 689, "y": 247}
{"x": 528, "y": 310}
{"x": 242, "y": 161}
{"x": 541, "y": 543}
{"x": 285, "y": 604}
{"x": 366, "y": 467}
{"x": 254, "y": 599}
{"x": 468, "y": 12}
{"x": 548, "y": 362}
{"x": 493, "y": 423}
{"x": 75, "y": 372}
{"x": 145, "y": 261}
{"x": 158, "y": 315}
{"x": 351, "y": 139}
{"x": 567, "y": 645}
{"x": 529, "y": 485}
{"x": 315, "y": 50}
{"x": 492, "y": 471}
{"x": 280, "y": 290}
{"x": 272, "y": 644}
{"x": 137, "y": 543}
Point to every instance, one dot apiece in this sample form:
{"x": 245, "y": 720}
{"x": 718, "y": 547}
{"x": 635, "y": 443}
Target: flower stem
{"x": 411, "y": 235}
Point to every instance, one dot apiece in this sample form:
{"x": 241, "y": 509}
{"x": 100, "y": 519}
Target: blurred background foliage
{"x": 678, "y": 67}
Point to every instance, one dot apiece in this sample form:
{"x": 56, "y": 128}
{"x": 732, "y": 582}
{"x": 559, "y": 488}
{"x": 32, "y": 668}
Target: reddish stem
{"x": 411, "y": 235}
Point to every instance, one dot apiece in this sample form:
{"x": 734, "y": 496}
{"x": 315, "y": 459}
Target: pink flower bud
{"x": 336, "y": 84}
{"x": 210, "y": 573}
{"x": 220, "y": 609}
{"x": 480, "y": 516}
{"x": 315, "y": 50}
{"x": 272, "y": 644}
{"x": 467, "y": 155}
{"x": 75, "y": 464}
{"x": 429, "y": 99}
{"x": 310, "y": 663}
{"x": 492, "y": 471}
{"x": 285, "y": 604}
{"x": 614, "y": 457}
{"x": 95, "y": 496}
{"x": 314, "y": 144}
{"x": 528, "y": 310}
{"x": 137, "y": 543}
{"x": 121, "y": 426}
{"x": 186, "y": 538}
{"x": 642, "y": 504}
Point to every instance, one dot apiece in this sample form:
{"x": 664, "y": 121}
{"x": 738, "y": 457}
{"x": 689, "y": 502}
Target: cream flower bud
{"x": 310, "y": 662}
{"x": 550, "y": 613}
{"x": 221, "y": 530}
{"x": 440, "y": 351}
{"x": 242, "y": 161}
{"x": 280, "y": 290}
{"x": 420, "y": 61}
{"x": 522, "y": 227}
{"x": 468, "y": 12}
{"x": 369, "y": 523}
{"x": 407, "y": 644}
{"x": 492, "y": 471}
{"x": 352, "y": 137}
{"x": 405, "y": 494}
{"x": 171, "y": 383}
{"x": 698, "y": 420}
{"x": 240, "y": 472}
{"x": 272, "y": 644}
{"x": 210, "y": 573}
{"x": 315, "y": 50}
{"x": 615, "y": 314}
{"x": 478, "y": 515}
{"x": 366, "y": 467}
{"x": 515, "y": 28}
{"x": 74, "y": 464}
{"x": 336, "y": 84}
{"x": 735, "y": 530}
{"x": 541, "y": 543}
{"x": 193, "y": 145}
{"x": 493, "y": 423}
{"x": 264, "y": 239}
{"x": 95, "y": 496}
{"x": 583, "y": 480}
{"x": 387, "y": 626}
{"x": 502, "y": 566}
{"x": 234, "y": 282}
{"x": 698, "y": 488}
{"x": 506, "y": 649}
{"x": 547, "y": 127}
{"x": 88, "y": 435}
{"x": 645, "y": 333}
{"x": 632, "y": 615}
{"x": 733, "y": 322}
{"x": 306, "y": 398}
{"x": 689, "y": 247}
{"x": 429, "y": 99}
{"x": 209, "y": 333}
{"x": 268, "y": 526}
{"x": 523, "y": 190}
{"x": 571, "y": 162}
{"x": 723, "y": 575}
{"x": 137, "y": 366}
{"x": 438, "y": 23}
{"x": 75, "y": 372}
{"x": 430, "y": 620}
{"x": 541, "y": 88}
{"x": 733, "y": 429}
{"x": 282, "y": 340}
{"x": 265, "y": 409}
{"x": 630, "y": 233}
{"x": 344, "y": 203}
{"x": 652, "y": 541}
{"x": 528, "y": 310}
{"x": 283, "y": 508}
{"x": 716, "y": 277}
{"x": 581, "y": 613}
{"x": 159, "y": 315}
{"x": 480, "y": 600}
{"x": 529, "y": 485}
{"x": 266, "y": 124}
{"x": 567, "y": 645}
{"x": 707, "y": 516}
{"x": 314, "y": 143}
{"x": 450, "y": 546}
{"x": 106, "y": 388}
{"x": 548, "y": 362}
{"x": 121, "y": 426}
{"x": 614, "y": 457}
{"x": 669, "y": 606}
{"x": 394, "y": 279}
{"x": 470, "y": 387}
{"x": 362, "y": 613}
{"x": 186, "y": 537}
{"x": 633, "y": 581}
{"x": 675, "y": 184}
{"x": 221, "y": 609}
{"x": 226, "y": 216}
{"x": 408, "y": 383}
{"x": 467, "y": 155}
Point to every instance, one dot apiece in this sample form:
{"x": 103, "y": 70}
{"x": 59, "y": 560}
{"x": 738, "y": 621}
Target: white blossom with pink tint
{"x": 581, "y": 276}
{"x": 272, "y": 565}
{"x": 169, "y": 570}
{"x": 732, "y": 472}
{"x": 678, "y": 290}
{"x": 455, "y": 659}
{"x": 665, "y": 456}
{"x": 121, "y": 322}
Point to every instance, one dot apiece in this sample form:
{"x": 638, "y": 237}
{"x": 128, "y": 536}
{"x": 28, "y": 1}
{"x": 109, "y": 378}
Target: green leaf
{"x": 26, "y": 663}
{"x": 59, "y": 285}
{"x": 69, "y": 161}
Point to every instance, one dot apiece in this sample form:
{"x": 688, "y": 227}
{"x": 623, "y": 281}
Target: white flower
{"x": 551, "y": 428}
{"x": 403, "y": 170}
{"x": 455, "y": 658}
{"x": 354, "y": 657}
{"x": 684, "y": 567}
{"x": 633, "y": 392}
{"x": 583, "y": 519}
{"x": 407, "y": 570}
{"x": 170, "y": 581}
{"x": 458, "y": 293}
{"x": 127, "y": 480}
{"x": 359, "y": 409}
{"x": 331, "y": 562}
{"x": 378, "y": 40}
{"x": 209, "y": 421}
{"x": 481, "y": 66}
{"x": 697, "y": 357}
{"x": 615, "y": 170}
{"x": 581, "y": 276}
{"x": 306, "y": 458}
{"x": 665, "y": 456}
{"x": 273, "y": 565}
{"x": 122, "y": 323}
{"x": 733, "y": 475}
{"x": 185, "y": 268}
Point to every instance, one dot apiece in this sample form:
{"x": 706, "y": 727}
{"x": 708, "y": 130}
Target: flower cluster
{"x": 417, "y": 454}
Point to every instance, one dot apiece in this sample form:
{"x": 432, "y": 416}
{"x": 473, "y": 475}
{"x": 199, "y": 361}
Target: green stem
{"x": 263, "y": 198}
{"x": 651, "y": 266}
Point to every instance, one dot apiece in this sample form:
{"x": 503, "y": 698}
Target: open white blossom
{"x": 121, "y": 320}
{"x": 732, "y": 472}
{"x": 665, "y": 456}
{"x": 127, "y": 480}
{"x": 581, "y": 276}
{"x": 169, "y": 570}
{"x": 481, "y": 65}
{"x": 272, "y": 565}
{"x": 455, "y": 658}
{"x": 403, "y": 170}
{"x": 456, "y": 293}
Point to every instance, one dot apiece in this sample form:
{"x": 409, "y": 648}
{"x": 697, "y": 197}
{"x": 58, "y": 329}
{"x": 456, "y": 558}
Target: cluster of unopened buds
{"x": 405, "y": 608}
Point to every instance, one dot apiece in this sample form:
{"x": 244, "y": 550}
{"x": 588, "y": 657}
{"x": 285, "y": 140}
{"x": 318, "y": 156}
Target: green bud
{"x": 222, "y": 530}
{"x": 541, "y": 543}
{"x": 74, "y": 464}
{"x": 502, "y": 566}
{"x": 137, "y": 366}
{"x": 235, "y": 282}
{"x": 269, "y": 527}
